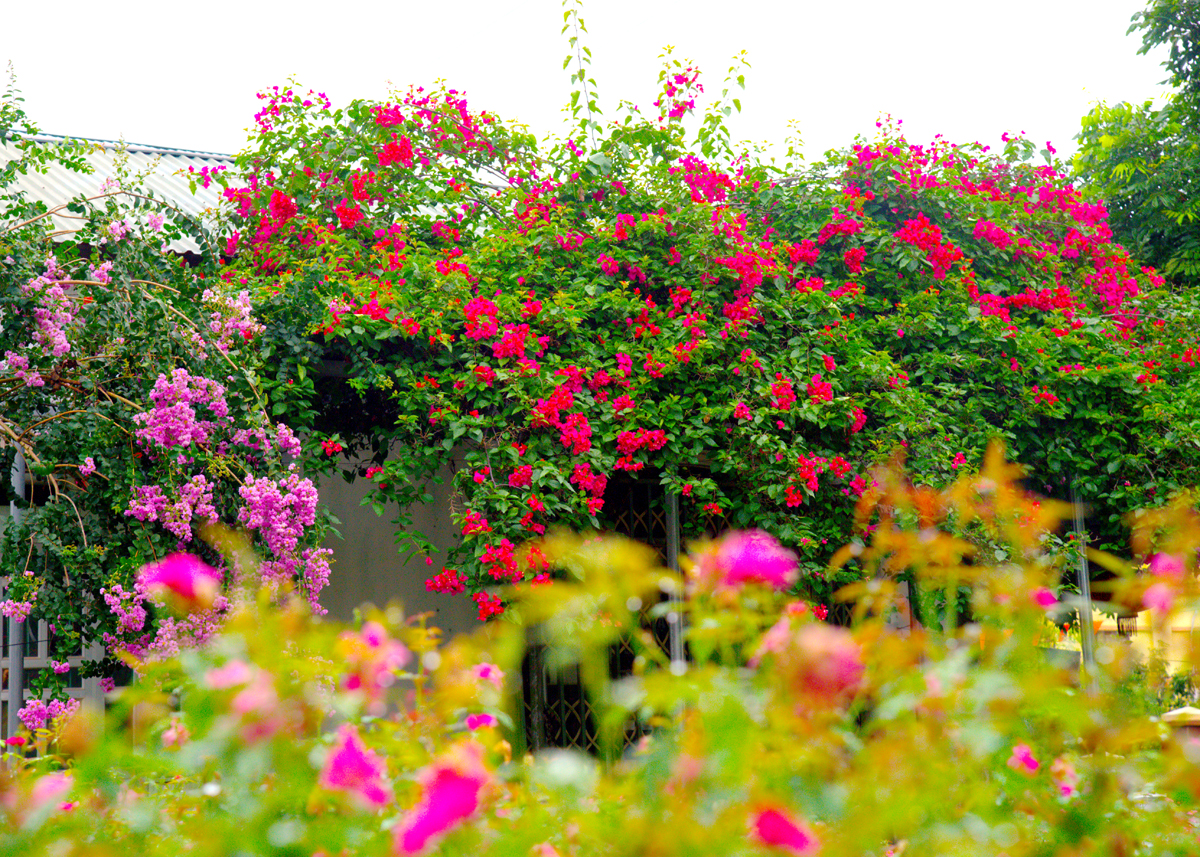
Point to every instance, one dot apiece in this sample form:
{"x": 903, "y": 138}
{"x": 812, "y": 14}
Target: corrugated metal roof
{"x": 164, "y": 170}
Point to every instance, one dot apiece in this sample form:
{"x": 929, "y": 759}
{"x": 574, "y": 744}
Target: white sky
{"x": 185, "y": 74}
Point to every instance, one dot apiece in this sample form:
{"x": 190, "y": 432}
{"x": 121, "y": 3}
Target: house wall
{"x": 367, "y": 567}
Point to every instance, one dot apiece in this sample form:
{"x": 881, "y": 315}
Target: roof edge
{"x": 115, "y": 144}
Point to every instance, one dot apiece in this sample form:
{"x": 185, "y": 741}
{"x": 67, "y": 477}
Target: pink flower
{"x": 822, "y": 663}
{"x": 51, "y": 788}
{"x": 350, "y": 767}
{"x": 176, "y": 735}
{"x": 959, "y": 461}
{"x": 451, "y": 788}
{"x": 372, "y": 659}
{"x": 184, "y": 577}
{"x": 230, "y": 675}
{"x": 1044, "y": 598}
{"x": 775, "y": 827}
{"x": 1022, "y": 760}
{"x": 1159, "y": 596}
{"x": 481, "y": 721}
{"x": 747, "y": 556}
{"x": 1065, "y": 776}
{"x": 1161, "y": 565}
{"x": 492, "y": 673}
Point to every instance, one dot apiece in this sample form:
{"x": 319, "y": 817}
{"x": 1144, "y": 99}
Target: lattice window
{"x": 557, "y": 712}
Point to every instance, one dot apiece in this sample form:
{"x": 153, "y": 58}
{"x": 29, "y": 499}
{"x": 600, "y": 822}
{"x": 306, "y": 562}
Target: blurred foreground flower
{"x": 451, "y": 795}
{"x": 822, "y": 664}
{"x": 183, "y": 578}
{"x": 351, "y": 768}
{"x": 1022, "y": 760}
{"x": 775, "y": 827}
{"x": 373, "y": 660}
{"x": 745, "y": 556}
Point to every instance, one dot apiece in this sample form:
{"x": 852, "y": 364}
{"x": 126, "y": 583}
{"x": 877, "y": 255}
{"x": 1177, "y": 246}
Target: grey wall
{"x": 368, "y": 568}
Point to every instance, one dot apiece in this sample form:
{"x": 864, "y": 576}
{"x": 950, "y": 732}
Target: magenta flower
{"x": 481, "y": 721}
{"x": 185, "y": 577}
{"x": 451, "y": 786}
{"x": 1022, "y": 760}
{"x": 1044, "y": 598}
{"x": 350, "y": 767}
{"x": 776, "y": 828}
{"x": 752, "y": 556}
{"x": 1167, "y": 565}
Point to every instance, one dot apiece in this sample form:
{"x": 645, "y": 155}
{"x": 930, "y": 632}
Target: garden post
{"x": 1085, "y": 585}
{"x": 16, "y": 629}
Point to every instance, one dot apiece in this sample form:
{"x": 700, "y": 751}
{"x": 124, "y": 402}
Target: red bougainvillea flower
{"x": 451, "y": 786}
{"x": 351, "y": 768}
{"x": 1022, "y": 760}
{"x": 184, "y": 578}
{"x": 777, "y": 828}
{"x": 746, "y": 556}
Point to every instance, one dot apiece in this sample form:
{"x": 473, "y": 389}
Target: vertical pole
{"x": 16, "y": 630}
{"x": 1087, "y": 641}
{"x": 675, "y": 628}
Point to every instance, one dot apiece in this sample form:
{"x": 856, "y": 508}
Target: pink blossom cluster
{"x": 193, "y": 498}
{"x": 39, "y": 715}
{"x": 54, "y": 311}
{"x": 18, "y": 610}
{"x": 173, "y": 421}
{"x": 280, "y": 510}
{"x": 704, "y": 183}
{"x": 127, "y": 605}
{"x": 230, "y": 318}
{"x": 18, "y": 364}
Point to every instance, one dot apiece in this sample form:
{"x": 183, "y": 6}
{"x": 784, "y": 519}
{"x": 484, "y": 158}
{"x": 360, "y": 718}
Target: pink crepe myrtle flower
{"x": 1022, "y": 760}
{"x": 451, "y": 788}
{"x": 778, "y": 829}
{"x": 355, "y": 770}
{"x": 746, "y": 556}
{"x": 189, "y": 581}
